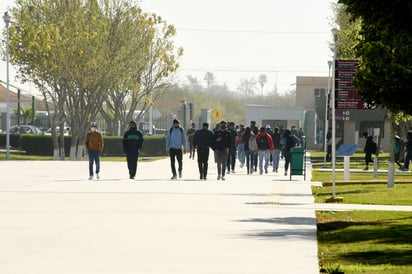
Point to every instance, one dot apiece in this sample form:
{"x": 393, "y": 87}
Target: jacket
{"x": 203, "y": 139}
{"x": 94, "y": 141}
{"x": 176, "y": 139}
{"x": 221, "y": 140}
{"x": 269, "y": 140}
{"x": 132, "y": 140}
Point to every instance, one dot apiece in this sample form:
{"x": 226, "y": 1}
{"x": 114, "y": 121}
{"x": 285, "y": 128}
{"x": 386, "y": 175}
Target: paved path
{"x": 53, "y": 220}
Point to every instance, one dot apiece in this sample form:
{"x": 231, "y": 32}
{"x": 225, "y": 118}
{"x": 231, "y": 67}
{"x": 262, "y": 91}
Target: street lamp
{"x": 6, "y": 18}
{"x": 335, "y": 40}
{"x": 327, "y": 95}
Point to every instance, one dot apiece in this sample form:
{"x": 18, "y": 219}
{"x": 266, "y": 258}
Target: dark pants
{"x": 93, "y": 157}
{"x": 176, "y": 154}
{"x": 231, "y": 159}
{"x": 408, "y": 158}
{"x": 287, "y": 156}
{"x": 132, "y": 156}
{"x": 368, "y": 158}
{"x": 221, "y": 160}
{"x": 202, "y": 161}
{"x": 249, "y": 161}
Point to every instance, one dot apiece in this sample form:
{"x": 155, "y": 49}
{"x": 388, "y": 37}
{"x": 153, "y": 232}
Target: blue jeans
{"x": 249, "y": 160}
{"x": 263, "y": 154}
{"x": 94, "y": 156}
{"x": 276, "y": 157}
{"x": 241, "y": 153}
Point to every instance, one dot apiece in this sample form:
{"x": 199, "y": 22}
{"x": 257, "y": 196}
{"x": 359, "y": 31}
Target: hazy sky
{"x": 240, "y": 39}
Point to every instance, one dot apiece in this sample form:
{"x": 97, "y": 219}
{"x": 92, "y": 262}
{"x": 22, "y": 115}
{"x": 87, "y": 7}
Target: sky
{"x": 242, "y": 39}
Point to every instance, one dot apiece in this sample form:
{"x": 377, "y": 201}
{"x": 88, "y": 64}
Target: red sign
{"x": 347, "y": 94}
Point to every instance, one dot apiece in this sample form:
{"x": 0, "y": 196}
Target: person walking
{"x": 190, "y": 135}
{"x": 94, "y": 145}
{"x": 408, "y": 147}
{"x": 202, "y": 142}
{"x": 175, "y": 143}
{"x": 240, "y": 144}
{"x": 276, "y": 149}
{"x": 265, "y": 148}
{"x": 221, "y": 145}
{"x": 231, "y": 158}
{"x": 369, "y": 149}
{"x": 289, "y": 143}
{"x": 249, "y": 139}
{"x": 132, "y": 143}
{"x": 397, "y": 150}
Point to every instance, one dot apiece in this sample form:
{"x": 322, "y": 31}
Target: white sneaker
{"x": 97, "y": 176}
{"x": 91, "y": 178}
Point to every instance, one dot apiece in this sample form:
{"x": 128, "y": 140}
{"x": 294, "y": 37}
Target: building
{"x": 351, "y": 123}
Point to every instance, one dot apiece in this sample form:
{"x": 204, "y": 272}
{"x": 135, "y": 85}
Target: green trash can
{"x": 297, "y": 166}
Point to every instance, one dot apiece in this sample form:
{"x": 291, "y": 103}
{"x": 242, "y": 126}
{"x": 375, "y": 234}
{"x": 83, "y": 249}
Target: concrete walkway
{"x": 53, "y": 220}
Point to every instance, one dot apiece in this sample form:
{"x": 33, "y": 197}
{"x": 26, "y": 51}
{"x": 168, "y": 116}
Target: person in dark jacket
{"x": 231, "y": 157}
{"x": 408, "y": 148}
{"x": 132, "y": 143}
{"x": 369, "y": 149}
{"x": 221, "y": 145}
{"x": 289, "y": 143}
{"x": 202, "y": 142}
{"x": 276, "y": 149}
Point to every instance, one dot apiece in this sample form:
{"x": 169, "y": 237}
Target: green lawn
{"x": 364, "y": 241}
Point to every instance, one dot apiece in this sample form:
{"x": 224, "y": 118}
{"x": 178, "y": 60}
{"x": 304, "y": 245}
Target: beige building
{"x": 351, "y": 124}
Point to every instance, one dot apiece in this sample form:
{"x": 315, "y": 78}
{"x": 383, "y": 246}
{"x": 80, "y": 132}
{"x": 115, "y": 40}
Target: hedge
{"x": 33, "y": 144}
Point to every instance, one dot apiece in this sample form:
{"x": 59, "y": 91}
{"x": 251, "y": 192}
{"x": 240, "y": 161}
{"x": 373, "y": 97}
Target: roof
{"x": 13, "y": 96}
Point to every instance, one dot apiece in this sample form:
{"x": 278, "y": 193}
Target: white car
{"x": 66, "y": 131}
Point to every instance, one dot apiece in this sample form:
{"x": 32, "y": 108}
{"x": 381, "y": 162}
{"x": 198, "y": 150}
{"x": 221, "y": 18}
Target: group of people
{"x": 370, "y": 149}
{"x": 132, "y": 143}
{"x": 255, "y": 147}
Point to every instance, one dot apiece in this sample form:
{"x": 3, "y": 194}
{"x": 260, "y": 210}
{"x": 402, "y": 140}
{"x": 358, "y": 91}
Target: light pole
{"x": 6, "y": 18}
{"x": 335, "y": 39}
{"x": 325, "y": 140}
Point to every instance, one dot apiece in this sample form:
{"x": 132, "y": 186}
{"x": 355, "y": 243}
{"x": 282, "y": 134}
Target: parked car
{"x": 25, "y": 129}
{"x": 66, "y": 131}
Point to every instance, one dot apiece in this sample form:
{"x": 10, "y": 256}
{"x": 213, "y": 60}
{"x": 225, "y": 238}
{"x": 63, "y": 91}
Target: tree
{"x": 77, "y": 52}
{"x": 210, "y": 80}
{"x": 262, "y": 79}
{"x": 247, "y": 87}
{"x": 384, "y": 49}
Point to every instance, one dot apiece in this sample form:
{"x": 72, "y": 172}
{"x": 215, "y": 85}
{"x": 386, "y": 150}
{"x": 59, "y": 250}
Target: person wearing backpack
{"x": 175, "y": 143}
{"x": 276, "y": 149}
{"x": 289, "y": 143}
{"x": 265, "y": 148}
{"x": 249, "y": 139}
{"x": 202, "y": 141}
{"x": 221, "y": 145}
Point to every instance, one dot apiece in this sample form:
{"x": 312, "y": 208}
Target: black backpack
{"x": 263, "y": 143}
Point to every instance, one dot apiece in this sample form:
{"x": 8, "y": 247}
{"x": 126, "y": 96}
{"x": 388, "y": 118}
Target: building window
{"x": 320, "y": 92}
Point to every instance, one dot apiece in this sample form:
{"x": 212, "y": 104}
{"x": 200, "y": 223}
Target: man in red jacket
{"x": 265, "y": 148}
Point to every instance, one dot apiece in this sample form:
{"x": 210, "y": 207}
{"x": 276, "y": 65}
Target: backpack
{"x": 263, "y": 143}
{"x": 170, "y": 130}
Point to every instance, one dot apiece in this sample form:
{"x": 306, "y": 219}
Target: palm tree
{"x": 262, "y": 79}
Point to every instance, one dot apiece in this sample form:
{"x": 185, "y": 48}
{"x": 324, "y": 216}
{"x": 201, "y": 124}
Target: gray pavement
{"x": 53, "y": 220}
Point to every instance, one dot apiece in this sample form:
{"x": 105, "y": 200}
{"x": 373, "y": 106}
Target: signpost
{"x": 346, "y": 96}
